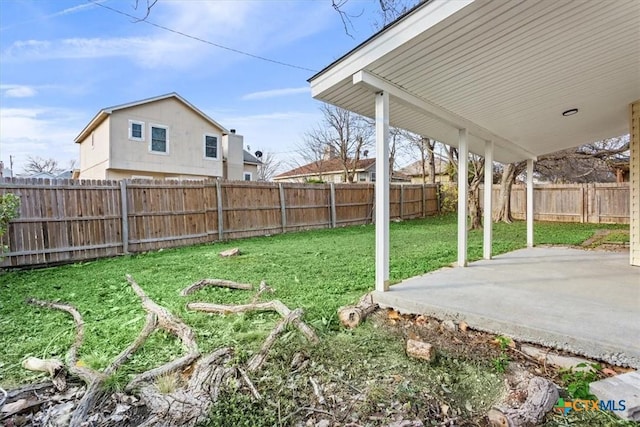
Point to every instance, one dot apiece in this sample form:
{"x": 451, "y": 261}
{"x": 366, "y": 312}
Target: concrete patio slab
{"x": 586, "y": 302}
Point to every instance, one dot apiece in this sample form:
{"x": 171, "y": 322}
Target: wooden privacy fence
{"x": 72, "y": 220}
{"x": 592, "y": 203}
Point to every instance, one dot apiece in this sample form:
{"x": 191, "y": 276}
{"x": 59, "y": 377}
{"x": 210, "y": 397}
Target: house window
{"x": 136, "y": 130}
{"x": 159, "y": 139}
{"x": 248, "y": 176}
{"x": 210, "y": 147}
{"x": 373, "y": 177}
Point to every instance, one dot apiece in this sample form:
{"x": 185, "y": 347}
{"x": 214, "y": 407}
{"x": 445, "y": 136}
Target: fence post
{"x": 424, "y": 204}
{"x": 401, "y": 201}
{"x": 582, "y": 213}
{"x": 332, "y": 186}
{"x": 125, "y": 216}
{"x": 220, "y": 212}
{"x": 283, "y": 208}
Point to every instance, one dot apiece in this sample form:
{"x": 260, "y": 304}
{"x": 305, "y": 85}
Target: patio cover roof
{"x": 503, "y": 70}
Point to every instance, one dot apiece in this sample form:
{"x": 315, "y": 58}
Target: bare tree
{"x": 586, "y": 163}
{"x": 38, "y": 165}
{"x": 342, "y": 135}
{"x": 390, "y": 10}
{"x": 476, "y": 175}
{"x": 268, "y": 167}
{"x": 509, "y": 173}
{"x": 425, "y": 149}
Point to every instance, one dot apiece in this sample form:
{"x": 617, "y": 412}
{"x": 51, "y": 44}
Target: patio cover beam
{"x": 377, "y": 84}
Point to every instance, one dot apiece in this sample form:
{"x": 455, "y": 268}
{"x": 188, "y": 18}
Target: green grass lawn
{"x": 316, "y": 270}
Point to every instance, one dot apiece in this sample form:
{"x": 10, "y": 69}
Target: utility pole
{"x": 11, "y": 165}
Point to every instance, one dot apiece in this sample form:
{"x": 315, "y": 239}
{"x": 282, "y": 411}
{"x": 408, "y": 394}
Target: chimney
{"x": 232, "y": 131}
{"x": 329, "y": 153}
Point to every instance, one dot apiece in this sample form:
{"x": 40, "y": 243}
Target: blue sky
{"x": 62, "y": 61}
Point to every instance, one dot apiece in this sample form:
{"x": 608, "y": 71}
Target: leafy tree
{"x": 9, "y": 209}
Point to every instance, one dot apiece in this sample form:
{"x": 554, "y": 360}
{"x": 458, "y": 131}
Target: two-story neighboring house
{"x": 164, "y": 137}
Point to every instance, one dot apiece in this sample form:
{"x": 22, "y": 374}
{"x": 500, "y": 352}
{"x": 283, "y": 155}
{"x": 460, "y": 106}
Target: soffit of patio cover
{"x": 511, "y": 67}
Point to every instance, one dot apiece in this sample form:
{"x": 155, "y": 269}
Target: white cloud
{"x": 92, "y": 48}
{"x": 274, "y": 93}
{"x": 70, "y": 10}
{"x": 43, "y": 132}
{"x": 18, "y": 91}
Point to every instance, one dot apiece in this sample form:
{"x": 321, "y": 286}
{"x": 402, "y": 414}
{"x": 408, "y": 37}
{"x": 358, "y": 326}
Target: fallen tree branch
{"x": 254, "y": 391}
{"x": 194, "y": 287}
{"x": 352, "y": 315}
{"x": 86, "y": 374}
{"x": 54, "y": 367}
{"x": 149, "y": 326}
{"x": 190, "y": 404}
{"x": 274, "y": 305}
{"x": 166, "y": 320}
{"x": 317, "y": 391}
{"x": 92, "y": 378}
{"x": 258, "y": 359}
{"x": 261, "y": 290}
{"x": 541, "y": 394}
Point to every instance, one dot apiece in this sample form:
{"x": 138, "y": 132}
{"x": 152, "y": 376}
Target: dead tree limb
{"x": 540, "y": 396}
{"x": 261, "y": 290}
{"x": 163, "y": 319}
{"x": 92, "y": 378}
{"x": 274, "y": 305}
{"x": 86, "y": 374}
{"x": 190, "y": 404}
{"x": 166, "y": 320}
{"x": 149, "y": 326}
{"x": 258, "y": 359}
{"x": 200, "y": 284}
{"x": 352, "y": 315}
{"x": 254, "y": 391}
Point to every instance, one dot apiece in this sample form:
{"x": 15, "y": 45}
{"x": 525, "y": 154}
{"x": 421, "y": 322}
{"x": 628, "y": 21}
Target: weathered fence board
{"x": 592, "y": 203}
{"x": 68, "y": 220}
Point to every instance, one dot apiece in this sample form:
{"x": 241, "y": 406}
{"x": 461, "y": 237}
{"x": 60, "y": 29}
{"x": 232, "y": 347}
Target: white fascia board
{"x": 377, "y": 84}
{"x": 412, "y": 26}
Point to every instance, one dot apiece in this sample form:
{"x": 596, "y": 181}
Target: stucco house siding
{"x": 95, "y": 152}
{"x": 186, "y": 131}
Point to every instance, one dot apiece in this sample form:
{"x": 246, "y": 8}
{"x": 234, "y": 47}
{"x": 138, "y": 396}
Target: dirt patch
{"x": 608, "y": 240}
{"x": 465, "y": 342}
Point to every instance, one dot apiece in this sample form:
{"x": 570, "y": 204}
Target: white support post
{"x": 463, "y": 195}
{"x": 488, "y": 205}
{"x": 382, "y": 192}
{"x": 529, "y": 203}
